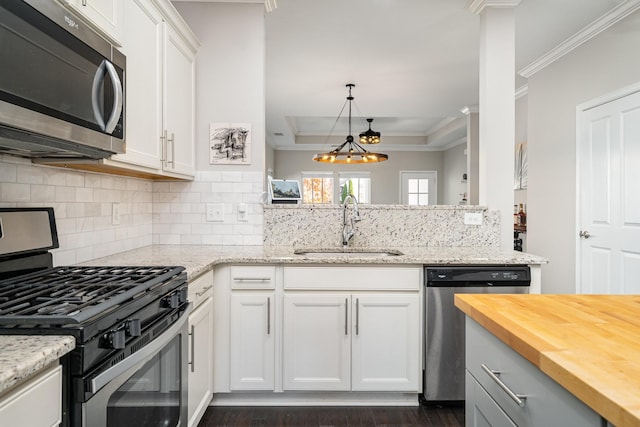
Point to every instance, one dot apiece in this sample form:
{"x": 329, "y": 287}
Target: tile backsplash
{"x": 149, "y": 212}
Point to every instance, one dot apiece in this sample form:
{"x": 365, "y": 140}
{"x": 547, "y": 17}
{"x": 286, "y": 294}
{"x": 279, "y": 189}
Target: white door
{"x": 419, "y": 188}
{"x": 317, "y": 342}
{"x": 609, "y": 204}
{"x": 252, "y": 341}
{"x": 386, "y": 343}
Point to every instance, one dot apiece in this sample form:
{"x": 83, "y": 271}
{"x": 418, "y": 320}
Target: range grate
{"x": 72, "y": 295}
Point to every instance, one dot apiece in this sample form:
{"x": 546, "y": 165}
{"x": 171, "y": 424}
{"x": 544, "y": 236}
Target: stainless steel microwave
{"x": 62, "y": 86}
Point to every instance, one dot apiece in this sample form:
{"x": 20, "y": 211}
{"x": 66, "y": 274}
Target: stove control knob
{"x": 132, "y": 327}
{"x": 183, "y": 295}
{"x": 116, "y": 339}
{"x": 171, "y": 301}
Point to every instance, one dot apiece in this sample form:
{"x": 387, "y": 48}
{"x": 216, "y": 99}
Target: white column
{"x": 497, "y": 109}
{"x": 472, "y": 154}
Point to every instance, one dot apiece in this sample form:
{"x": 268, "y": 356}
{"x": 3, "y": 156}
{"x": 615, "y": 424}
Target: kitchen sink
{"x": 348, "y": 252}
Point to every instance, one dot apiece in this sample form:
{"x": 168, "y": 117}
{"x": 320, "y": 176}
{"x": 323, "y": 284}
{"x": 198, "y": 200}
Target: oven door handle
{"x": 146, "y": 352}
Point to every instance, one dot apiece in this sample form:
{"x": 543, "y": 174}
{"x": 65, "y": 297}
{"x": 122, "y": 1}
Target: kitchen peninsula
{"x": 588, "y": 344}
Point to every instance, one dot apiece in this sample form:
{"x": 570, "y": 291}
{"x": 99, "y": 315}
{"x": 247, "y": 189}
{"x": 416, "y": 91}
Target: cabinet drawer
{"x": 200, "y": 288}
{"x": 42, "y": 393}
{"x": 353, "y": 278}
{"x": 546, "y": 403}
{"x": 253, "y": 277}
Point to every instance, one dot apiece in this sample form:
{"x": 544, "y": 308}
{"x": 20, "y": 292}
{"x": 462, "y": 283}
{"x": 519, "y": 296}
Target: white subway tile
{"x": 231, "y": 176}
{"x": 16, "y": 192}
{"x": 8, "y": 172}
{"x": 43, "y": 193}
{"x": 28, "y": 175}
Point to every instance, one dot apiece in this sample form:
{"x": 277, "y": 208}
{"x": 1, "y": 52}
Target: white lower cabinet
{"x": 284, "y": 329}
{"x": 200, "y": 348}
{"x": 316, "y": 342}
{"x": 505, "y": 389}
{"x": 358, "y": 342}
{"x": 35, "y": 403}
{"x": 385, "y": 342}
{"x": 252, "y": 341}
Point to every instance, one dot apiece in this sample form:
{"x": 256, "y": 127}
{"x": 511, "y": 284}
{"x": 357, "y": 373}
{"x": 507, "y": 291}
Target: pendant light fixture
{"x": 353, "y": 152}
{"x": 370, "y": 136}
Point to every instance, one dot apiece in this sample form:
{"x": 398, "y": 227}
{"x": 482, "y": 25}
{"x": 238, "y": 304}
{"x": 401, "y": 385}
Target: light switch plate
{"x": 215, "y": 212}
{"x": 473, "y": 218}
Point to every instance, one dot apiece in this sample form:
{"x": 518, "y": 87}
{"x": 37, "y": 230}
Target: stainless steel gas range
{"x": 129, "y": 367}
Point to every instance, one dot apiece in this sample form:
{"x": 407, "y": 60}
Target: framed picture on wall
{"x": 230, "y": 143}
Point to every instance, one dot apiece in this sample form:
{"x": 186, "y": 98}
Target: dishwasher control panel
{"x": 508, "y": 274}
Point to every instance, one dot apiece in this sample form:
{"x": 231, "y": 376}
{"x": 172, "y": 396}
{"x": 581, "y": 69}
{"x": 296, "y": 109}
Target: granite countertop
{"x": 589, "y": 344}
{"x": 22, "y": 356}
{"x": 197, "y": 259}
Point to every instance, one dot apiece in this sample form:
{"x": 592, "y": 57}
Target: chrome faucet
{"x": 348, "y": 227}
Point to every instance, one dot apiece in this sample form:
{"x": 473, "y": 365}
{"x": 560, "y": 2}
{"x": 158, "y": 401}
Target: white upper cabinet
{"x": 179, "y": 104}
{"x": 144, "y": 38}
{"x": 160, "y": 92}
{"x": 105, "y": 16}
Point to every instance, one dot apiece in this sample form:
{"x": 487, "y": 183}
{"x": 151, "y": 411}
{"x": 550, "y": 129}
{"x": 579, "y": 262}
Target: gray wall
{"x": 454, "y": 165}
{"x": 608, "y": 62}
{"x": 385, "y": 176}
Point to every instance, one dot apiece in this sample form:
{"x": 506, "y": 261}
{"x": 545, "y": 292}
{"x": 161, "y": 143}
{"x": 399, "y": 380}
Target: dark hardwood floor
{"x": 423, "y": 415}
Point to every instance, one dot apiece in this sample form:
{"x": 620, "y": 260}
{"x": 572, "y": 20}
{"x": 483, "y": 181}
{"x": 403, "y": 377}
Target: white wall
{"x": 606, "y": 63}
{"x": 229, "y": 74}
{"x": 385, "y": 176}
{"x": 454, "y": 164}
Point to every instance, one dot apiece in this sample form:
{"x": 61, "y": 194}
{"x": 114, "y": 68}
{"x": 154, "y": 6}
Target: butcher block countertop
{"x": 589, "y": 344}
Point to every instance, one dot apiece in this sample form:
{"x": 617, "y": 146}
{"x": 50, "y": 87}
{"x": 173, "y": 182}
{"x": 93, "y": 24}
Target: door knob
{"x": 585, "y": 234}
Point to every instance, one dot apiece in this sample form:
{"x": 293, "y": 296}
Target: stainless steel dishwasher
{"x": 444, "y": 323}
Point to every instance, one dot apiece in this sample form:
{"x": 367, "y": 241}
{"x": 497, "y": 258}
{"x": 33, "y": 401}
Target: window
{"x": 317, "y": 187}
{"x": 357, "y": 184}
{"x": 419, "y": 188}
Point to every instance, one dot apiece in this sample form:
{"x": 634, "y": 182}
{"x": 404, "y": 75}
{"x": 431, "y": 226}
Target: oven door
{"x": 146, "y": 389}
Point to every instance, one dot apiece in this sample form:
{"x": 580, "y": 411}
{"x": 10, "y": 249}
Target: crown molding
{"x": 587, "y": 33}
{"x": 522, "y": 91}
{"x": 478, "y": 6}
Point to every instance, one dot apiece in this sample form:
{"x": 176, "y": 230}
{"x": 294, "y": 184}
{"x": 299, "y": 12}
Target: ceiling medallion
{"x": 353, "y": 152}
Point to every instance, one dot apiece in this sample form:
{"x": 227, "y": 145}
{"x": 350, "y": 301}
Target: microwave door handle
{"x": 117, "y": 101}
{"x": 98, "y": 78}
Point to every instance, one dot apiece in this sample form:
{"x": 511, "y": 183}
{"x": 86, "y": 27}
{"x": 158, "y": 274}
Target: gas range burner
{"x": 73, "y": 295}
{"x": 59, "y": 308}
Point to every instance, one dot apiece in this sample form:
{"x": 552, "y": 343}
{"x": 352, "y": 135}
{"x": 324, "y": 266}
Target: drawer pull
{"x": 252, "y": 279}
{"x": 204, "y": 290}
{"x": 518, "y": 398}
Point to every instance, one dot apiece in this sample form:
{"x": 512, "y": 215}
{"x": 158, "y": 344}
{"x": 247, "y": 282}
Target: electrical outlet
{"x": 473, "y": 218}
{"x": 115, "y": 213}
{"x": 242, "y": 212}
{"x": 215, "y": 212}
